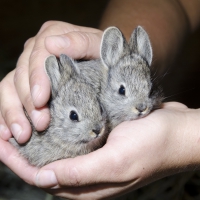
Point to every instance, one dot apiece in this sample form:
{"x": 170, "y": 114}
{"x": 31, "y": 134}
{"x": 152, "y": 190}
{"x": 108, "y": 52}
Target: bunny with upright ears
{"x": 129, "y": 93}
{"x": 78, "y": 122}
{"x": 122, "y": 77}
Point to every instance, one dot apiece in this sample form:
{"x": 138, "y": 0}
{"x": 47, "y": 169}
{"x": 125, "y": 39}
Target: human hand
{"x": 136, "y": 153}
{"x": 28, "y": 84}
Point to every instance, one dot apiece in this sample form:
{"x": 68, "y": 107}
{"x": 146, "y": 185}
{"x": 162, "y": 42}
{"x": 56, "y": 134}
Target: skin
{"x": 171, "y": 133}
{"x": 167, "y": 21}
{"x": 29, "y": 85}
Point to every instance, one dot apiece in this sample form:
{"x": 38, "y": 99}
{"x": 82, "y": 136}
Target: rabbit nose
{"x": 141, "y": 108}
{"x": 96, "y": 131}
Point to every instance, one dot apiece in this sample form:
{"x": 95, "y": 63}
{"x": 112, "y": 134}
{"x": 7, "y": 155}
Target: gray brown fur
{"x": 79, "y": 86}
{"x": 66, "y": 138}
{"x": 126, "y": 64}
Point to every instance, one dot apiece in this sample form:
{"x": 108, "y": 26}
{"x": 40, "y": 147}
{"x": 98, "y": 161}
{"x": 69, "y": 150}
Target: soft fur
{"x": 126, "y": 64}
{"x": 66, "y": 138}
{"x": 91, "y": 88}
{"x": 129, "y": 66}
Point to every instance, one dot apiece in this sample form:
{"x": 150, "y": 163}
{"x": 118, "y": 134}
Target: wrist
{"x": 184, "y": 142}
{"x": 191, "y": 138}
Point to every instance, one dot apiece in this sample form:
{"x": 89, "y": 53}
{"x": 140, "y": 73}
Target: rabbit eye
{"x": 73, "y": 116}
{"x": 122, "y": 90}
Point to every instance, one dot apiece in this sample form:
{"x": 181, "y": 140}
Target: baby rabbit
{"x": 130, "y": 92}
{"x": 122, "y": 76}
{"x": 78, "y": 121}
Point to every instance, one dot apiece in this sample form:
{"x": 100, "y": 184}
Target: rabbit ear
{"x": 140, "y": 44}
{"x": 113, "y": 46}
{"x": 69, "y": 63}
{"x": 54, "y": 72}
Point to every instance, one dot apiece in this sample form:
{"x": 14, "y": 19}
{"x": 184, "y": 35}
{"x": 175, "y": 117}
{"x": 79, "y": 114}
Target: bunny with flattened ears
{"x": 78, "y": 122}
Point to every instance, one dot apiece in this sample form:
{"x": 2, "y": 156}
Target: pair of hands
{"x": 134, "y": 150}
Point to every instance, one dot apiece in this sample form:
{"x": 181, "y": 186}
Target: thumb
{"x": 75, "y": 44}
{"x": 97, "y": 167}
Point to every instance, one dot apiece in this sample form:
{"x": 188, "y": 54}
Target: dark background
{"x": 20, "y": 20}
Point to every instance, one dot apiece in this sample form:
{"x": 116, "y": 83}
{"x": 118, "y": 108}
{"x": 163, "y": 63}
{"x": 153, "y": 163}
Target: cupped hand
{"x": 136, "y": 153}
{"x": 28, "y": 85}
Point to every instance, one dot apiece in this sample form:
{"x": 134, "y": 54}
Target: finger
{"x": 11, "y": 158}
{"x": 5, "y": 133}
{"x": 174, "y": 105}
{"x": 12, "y": 110}
{"x": 39, "y": 83}
{"x": 95, "y": 168}
{"x": 40, "y": 117}
{"x": 110, "y": 164}
{"x": 75, "y": 44}
{"x": 99, "y": 191}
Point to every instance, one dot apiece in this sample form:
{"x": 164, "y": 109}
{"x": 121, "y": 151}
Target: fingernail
{"x": 46, "y": 178}
{"x": 16, "y": 130}
{"x": 35, "y": 116}
{"x": 2, "y": 128}
{"x": 35, "y": 92}
{"x": 60, "y": 41}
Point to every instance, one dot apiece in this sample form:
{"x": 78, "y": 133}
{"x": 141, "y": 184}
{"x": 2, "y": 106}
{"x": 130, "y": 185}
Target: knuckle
{"x": 119, "y": 170}
{"x": 34, "y": 77}
{"x": 34, "y": 57}
{"x": 29, "y": 42}
{"x": 27, "y": 102}
{"x": 84, "y": 39}
{"x": 35, "y": 53}
{"x": 74, "y": 177}
{"x": 47, "y": 24}
{"x": 81, "y": 40}
{"x": 8, "y": 115}
{"x": 20, "y": 72}
{"x": 89, "y": 43}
